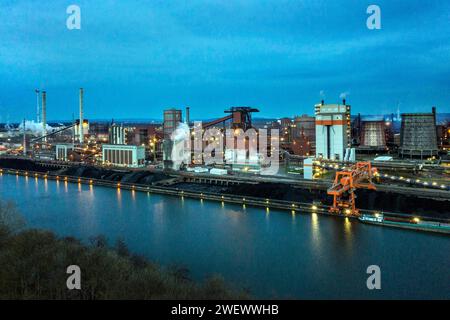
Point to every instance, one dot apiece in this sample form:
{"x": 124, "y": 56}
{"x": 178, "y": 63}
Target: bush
{"x": 33, "y": 265}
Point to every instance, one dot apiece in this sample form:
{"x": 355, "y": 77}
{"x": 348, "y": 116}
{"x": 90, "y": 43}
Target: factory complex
{"x": 347, "y": 150}
{"x": 333, "y": 134}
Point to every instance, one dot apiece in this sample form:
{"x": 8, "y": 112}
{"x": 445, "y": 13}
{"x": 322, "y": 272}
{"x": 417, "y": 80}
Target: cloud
{"x": 223, "y": 52}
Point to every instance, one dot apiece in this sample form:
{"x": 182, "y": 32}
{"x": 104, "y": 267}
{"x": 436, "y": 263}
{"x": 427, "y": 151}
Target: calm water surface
{"x": 273, "y": 253}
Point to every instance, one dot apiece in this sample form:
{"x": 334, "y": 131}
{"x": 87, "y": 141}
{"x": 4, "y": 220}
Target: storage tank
{"x": 418, "y": 135}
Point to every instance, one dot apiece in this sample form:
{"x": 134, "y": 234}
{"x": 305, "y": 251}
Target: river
{"x": 275, "y": 254}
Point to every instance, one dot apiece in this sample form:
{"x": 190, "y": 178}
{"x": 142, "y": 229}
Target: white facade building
{"x": 118, "y": 134}
{"x": 308, "y": 168}
{"x": 124, "y": 155}
{"x": 62, "y": 151}
{"x": 332, "y": 130}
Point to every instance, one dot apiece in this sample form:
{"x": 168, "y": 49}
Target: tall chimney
{"x": 24, "y": 139}
{"x": 322, "y": 102}
{"x": 433, "y": 110}
{"x": 44, "y": 115}
{"x": 187, "y": 116}
{"x": 343, "y": 102}
{"x": 38, "y": 109}
{"x": 81, "y": 131}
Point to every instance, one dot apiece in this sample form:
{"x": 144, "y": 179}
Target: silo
{"x": 418, "y": 135}
{"x": 373, "y": 135}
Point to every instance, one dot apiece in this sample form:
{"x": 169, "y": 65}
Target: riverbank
{"x": 282, "y": 195}
{"x": 223, "y": 197}
{"x": 275, "y": 254}
{"x": 33, "y": 265}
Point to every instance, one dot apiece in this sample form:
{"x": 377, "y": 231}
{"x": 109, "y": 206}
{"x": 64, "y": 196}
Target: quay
{"x": 292, "y": 206}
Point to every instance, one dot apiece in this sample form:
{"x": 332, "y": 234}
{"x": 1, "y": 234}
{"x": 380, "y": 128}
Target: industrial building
{"x": 99, "y": 130}
{"x": 418, "y": 136}
{"x": 332, "y": 130}
{"x": 286, "y": 130}
{"x": 305, "y": 126}
{"x": 123, "y": 155}
{"x": 118, "y": 134}
{"x": 238, "y": 118}
{"x": 81, "y": 131}
{"x": 373, "y": 135}
{"x": 304, "y": 136}
{"x": 443, "y": 134}
{"x": 63, "y": 150}
{"x": 172, "y": 117}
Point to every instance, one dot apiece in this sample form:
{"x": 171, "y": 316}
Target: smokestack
{"x": 81, "y": 131}
{"x": 38, "y": 109}
{"x": 433, "y": 110}
{"x": 187, "y": 116}
{"x": 343, "y": 102}
{"x": 24, "y": 139}
{"x": 322, "y": 102}
{"x": 44, "y": 114}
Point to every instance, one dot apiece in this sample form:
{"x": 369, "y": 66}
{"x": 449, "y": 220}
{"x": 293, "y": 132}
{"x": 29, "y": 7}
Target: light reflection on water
{"x": 272, "y": 252}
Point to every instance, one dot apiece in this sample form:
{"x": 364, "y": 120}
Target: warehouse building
{"x": 124, "y": 155}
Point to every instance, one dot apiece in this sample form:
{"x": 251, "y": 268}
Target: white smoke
{"x": 322, "y": 94}
{"x": 35, "y": 127}
{"x": 181, "y": 152}
{"x": 344, "y": 95}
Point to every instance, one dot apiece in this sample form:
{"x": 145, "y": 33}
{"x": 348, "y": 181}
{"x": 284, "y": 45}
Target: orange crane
{"x": 358, "y": 176}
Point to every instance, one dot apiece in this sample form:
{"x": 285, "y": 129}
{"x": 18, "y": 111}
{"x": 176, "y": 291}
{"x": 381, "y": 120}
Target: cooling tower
{"x": 373, "y": 135}
{"x": 418, "y": 135}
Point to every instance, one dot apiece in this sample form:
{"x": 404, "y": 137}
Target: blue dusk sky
{"x": 136, "y": 58}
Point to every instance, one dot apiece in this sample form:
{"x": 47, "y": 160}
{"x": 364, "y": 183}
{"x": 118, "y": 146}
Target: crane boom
{"x": 358, "y": 176}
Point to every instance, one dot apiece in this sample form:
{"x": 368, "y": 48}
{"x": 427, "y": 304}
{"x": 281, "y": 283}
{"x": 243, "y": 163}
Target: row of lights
{"x": 392, "y": 177}
{"x": 267, "y": 201}
{"x": 417, "y": 181}
{"x": 313, "y": 207}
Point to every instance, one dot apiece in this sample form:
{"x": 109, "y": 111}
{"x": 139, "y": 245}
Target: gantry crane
{"x": 358, "y": 176}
